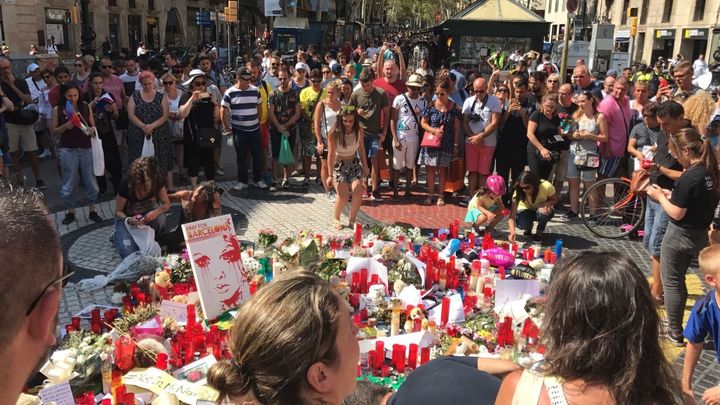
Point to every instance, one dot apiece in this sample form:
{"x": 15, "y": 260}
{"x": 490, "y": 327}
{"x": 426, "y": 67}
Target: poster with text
{"x": 217, "y": 264}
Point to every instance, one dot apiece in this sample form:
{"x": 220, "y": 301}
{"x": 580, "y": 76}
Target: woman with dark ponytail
{"x": 690, "y": 206}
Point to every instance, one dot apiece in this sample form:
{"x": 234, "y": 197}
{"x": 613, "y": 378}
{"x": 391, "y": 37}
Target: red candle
{"x": 189, "y": 351}
{"x": 417, "y": 325}
{"x": 372, "y": 359}
{"x": 190, "y": 317}
{"x": 429, "y": 276}
{"x": 401, "y": 359}
{"x": 530, "y": 253}
{"x": 96, "y": 327}
{"x": 445, "y": 311}
{"x": 358, "y": 234}
{"x": 385, "y": 370}
{"x": 374, "y": 279}
{"x": 161, "y": 361}
{"x": 119, "y": 395}
{"x": 380, "y": 353}
{"x": 355, "y": 300}
{"x": 412, "y": 356}
{"x": 253, "y": 287}
{"x": 75, "y": 321}
{"x": 355, "y": 284}
{"x": 364, "y": 280}
{"x": 69, "y": 328}
{"x": 124, "y": 353}
{"x": 424, "y": 355}
{"x": 130, "y": 398}
{"x": 363, "y": 314}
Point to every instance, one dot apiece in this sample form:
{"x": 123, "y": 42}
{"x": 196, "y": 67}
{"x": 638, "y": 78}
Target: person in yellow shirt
{"x": 264, "y": 90}
{"x": 309, "y": 98}
{"x": 533, "y": 200}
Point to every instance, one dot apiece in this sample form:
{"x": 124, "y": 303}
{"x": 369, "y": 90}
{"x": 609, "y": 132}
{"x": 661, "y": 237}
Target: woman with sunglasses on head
{"x": 175, "y": 122}
{"x": 441, "y": 119}
{"x": 74, "y": 150}
{"x": 590, "y": 129}
{"x": 543, "y": 130}
{"x": 533, "y": 200}
{"x": 200, "y": 203}
{"x": 105, "y": 109}
{"x": 83, "y": 67}
{"x": 346, "y": 90}
{"x": 324, "y": 119}
{"x": 148, "y": 112}
{"x": 199, "y": 109}
{"x": 348, "y": 160}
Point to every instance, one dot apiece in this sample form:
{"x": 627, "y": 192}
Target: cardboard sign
{"x": 215, "y": 256}
{"x": 175, "y": 310}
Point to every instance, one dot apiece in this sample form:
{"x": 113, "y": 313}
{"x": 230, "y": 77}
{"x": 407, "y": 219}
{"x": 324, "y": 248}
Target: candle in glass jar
{"x": 358, "y": 234}
{"x": 445, "y": 311}
{"x": 474, "y": 273}
{"x": 380, "y": 353}
{"x": 443, "y": 278}
{"x": 75, "y": 322}
{"x": 412, "y": 356}
{"x": 424, "y": 355}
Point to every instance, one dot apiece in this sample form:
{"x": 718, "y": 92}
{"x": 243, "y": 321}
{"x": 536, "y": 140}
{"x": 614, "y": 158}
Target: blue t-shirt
{"x": 704, "y": 319}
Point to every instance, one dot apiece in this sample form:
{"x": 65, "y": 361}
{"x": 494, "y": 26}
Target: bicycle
{"x": 616, "y": 213}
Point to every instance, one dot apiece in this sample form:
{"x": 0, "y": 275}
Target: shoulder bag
{"x": 640, "y": 182}
{"x": 421, "y": 131}
{"x": 205, "y": 138}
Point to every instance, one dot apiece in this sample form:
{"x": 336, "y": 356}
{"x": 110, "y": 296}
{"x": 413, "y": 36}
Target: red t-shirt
{"x": 392, "y": 90}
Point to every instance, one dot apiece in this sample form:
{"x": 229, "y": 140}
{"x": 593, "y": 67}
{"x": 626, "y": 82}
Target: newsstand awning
{"x": 294, "y": 23}
{"x": 497, "y": 10}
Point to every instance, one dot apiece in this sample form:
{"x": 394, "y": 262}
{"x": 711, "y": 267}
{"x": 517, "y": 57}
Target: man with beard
{"x": 31, "y": 281}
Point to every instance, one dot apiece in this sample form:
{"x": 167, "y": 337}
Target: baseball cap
{"x": 302, "y": 66}
{"x": 32, "y": 67}
{"x": 193, "y": 74}
{"x": 336, "y": 68}
{"x": 414, "y": 80}
{"x": 244, "y": 73}
{"x": 612, "y": 72}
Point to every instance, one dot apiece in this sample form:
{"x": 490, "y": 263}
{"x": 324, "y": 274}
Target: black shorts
{"x": 276, "y": 137}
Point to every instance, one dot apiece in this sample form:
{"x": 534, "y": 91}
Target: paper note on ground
{"x": 61, "y": 394}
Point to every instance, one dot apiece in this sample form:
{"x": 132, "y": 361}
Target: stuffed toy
{"x": 161, "y": 284}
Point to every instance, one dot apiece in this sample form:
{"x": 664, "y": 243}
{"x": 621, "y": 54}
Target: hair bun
{"x": 227, "y": 379}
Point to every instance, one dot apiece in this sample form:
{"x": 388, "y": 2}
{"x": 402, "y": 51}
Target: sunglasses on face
{"x": 503, "y": 91}
{"x": 282, "y": 79}
{"x": 67, "y": 273}
{"x": 552, "y": 81}
{"x": 106, "y": 66}
{"x": 198, "y": 84}
{"x": 316, "y": 80}
{"x": 169, "y": 83}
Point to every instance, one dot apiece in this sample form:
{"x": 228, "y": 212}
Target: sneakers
{"x": 285, "y": 183}
{"x": 40, "y": 185}
{"x": 44, "y": 155}
{"x": 261, "y": 185}
{"x": 95, "y": 217}
{"x": 69, "y": 218}
{"x": 239, "y": 186}
{"x": 331, "y": 196}
{"x": 570, "y": 215}
{"x": 273, "y": 186}
{"x": 376, "y": 196}
{"x": 219, "y": 172}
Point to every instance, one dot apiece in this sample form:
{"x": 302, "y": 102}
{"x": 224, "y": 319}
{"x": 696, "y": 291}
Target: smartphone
{"x": 205, "y": 94}
{"x": 504, "y": 75}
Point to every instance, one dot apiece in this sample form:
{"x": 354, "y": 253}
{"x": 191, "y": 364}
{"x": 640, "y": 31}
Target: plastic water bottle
{"x": 558, "y": 248}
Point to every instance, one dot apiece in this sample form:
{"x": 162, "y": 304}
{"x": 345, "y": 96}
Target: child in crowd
{"x": 704, "y": 319}
{"x": 486, "y": 207}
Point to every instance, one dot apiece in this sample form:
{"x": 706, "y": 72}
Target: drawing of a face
{"x": 222, "y": 271}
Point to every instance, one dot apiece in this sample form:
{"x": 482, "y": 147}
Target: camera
{"x": 475, "y": 117}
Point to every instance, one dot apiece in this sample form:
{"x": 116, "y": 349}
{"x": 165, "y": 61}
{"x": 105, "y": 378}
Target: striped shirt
{"x": 243, "y": 107}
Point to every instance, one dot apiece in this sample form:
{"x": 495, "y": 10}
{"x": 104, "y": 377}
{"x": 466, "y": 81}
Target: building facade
{"x": 669, "y": 27}
{"x": 123, "y": 23}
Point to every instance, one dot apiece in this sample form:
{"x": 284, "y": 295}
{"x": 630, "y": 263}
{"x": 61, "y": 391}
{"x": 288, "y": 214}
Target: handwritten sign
{"x": 61, "y": 394}
{"x": 158, "y": 381}
{"x": 177, "y": 311}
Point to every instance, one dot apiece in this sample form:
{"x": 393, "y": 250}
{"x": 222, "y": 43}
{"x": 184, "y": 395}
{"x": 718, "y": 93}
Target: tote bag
{"x": 148, "y": 147}
{"x": 97, "y": 155}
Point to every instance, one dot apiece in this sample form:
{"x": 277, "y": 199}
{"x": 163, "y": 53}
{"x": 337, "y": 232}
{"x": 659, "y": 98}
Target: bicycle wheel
{"x": 610, "y": 210}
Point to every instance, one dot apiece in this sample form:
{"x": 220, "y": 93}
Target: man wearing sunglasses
{"x": 31, "y": 281}
{"x": 271, "y": 76}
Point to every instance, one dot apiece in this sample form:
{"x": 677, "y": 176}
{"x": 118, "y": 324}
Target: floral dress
{"x": 162, "y": 140}
{"x": 443, "y": 155}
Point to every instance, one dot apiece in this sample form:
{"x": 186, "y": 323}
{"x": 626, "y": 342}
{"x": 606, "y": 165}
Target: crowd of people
{"x": 345, "y": 119}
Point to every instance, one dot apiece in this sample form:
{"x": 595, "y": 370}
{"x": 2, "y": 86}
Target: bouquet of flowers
{"x": 266, "y": 238}
{"x": 90, "y": 352}
{"x": 180, "y": 267}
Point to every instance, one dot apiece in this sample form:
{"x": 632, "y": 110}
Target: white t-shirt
{"x": 371, "y": 52}
{"x": 141, "y": 51}
{"x": 485, "y": 111}
{"x": 126, "y": 78}
{"x": 407, "y": 127}
{"x": 35, "y": 88}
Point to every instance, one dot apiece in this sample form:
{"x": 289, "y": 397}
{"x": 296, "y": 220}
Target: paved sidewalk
{"x": 88, "y": 248}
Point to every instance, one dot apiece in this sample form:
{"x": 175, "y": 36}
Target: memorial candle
{"x": 474, "y": 273}
{"x": 161, "y": 361}
{"x": 380, "y": 353}
{"x": 424, "y": 355}
{"x": 429, "y": 275}
{"x": 75, "y": 322}
{"x": 401, "y": 359}
{"x": 443, "y": 278}
{"x": 412, "y": 356}
{"x": 395, "y": 321}
{"x": 364, "y": 280}
{"x": 190, "y": 317}
{"x": 444, "y": 311}
{"x": 358, "y": 234}
{"x": 372, "y": 359}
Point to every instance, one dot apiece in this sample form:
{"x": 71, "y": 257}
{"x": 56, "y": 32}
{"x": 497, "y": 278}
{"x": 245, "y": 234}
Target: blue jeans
{"x": 242, "y": 141}
{"x": 526, "y": 218}
{"x": 124, "y": 242}
{"x": 656, "y": 222}
{"x": 74, "y": 164}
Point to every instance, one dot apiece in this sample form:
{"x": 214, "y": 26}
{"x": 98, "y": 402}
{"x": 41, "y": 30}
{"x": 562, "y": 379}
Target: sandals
{"x": 440, "y": 202}
{"x": 337, "y": 225}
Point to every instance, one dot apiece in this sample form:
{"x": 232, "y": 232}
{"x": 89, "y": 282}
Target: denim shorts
{"x": 372, "y": 145}
{"x": 656, "y": 222}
